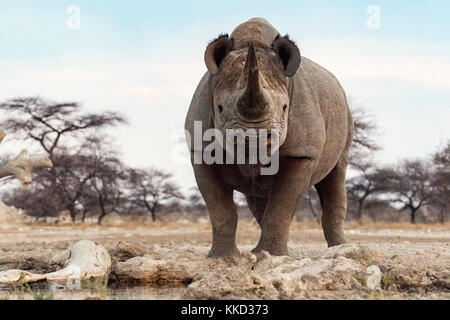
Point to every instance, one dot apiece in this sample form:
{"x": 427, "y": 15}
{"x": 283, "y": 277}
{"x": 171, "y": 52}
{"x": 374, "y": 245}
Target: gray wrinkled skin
{"x": 255, "y": 85}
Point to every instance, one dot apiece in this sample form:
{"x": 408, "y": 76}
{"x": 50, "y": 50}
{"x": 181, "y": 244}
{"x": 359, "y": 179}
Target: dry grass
{"x": 408, "y": 255}
{"x": 176, "y": 221}
{"x": 379, "y": 225}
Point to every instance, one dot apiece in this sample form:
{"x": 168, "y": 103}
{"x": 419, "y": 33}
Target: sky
{"x": 145, "y": 59}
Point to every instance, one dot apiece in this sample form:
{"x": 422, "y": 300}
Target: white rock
{"x": 373, "y": 281}
{"x": 149, "y": 270}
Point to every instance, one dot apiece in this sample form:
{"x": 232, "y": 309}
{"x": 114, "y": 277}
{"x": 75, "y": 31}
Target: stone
{"x": 374, "y": 274}
{"x": 86, "y": 260}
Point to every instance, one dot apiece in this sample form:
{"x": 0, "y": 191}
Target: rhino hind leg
{"x": 257, "y": 206}
{"x": 333, "y": 199}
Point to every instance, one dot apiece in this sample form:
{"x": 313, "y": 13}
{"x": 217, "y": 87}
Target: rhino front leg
{"x": 291, "y": 184}
{"x": 222, "y": 210}
{"x": 333, "y": 199}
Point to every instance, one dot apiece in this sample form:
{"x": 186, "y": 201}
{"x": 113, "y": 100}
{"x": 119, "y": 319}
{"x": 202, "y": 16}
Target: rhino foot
{"x": 275, "y": 248}
{"x": 336, "y": 242}
{"x": 223, "y": 252}
{"x": 334, "y": 236}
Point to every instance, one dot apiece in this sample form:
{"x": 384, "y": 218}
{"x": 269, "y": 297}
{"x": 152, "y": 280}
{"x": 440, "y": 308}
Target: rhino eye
{"x": 220, "y": 108}
{"x": 284, "y": 108}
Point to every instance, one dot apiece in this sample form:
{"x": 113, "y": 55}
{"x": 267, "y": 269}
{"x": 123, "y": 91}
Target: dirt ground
{"x": 166, "y": 260}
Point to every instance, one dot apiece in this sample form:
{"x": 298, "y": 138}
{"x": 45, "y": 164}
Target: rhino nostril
{"x": 220, "y": 108}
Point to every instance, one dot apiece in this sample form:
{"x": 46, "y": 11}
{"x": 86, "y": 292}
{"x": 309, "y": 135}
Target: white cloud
{"x": 153, "y": 94}
{"x": 363, "y": 58}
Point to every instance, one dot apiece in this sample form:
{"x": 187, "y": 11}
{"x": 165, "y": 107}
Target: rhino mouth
{"x": 253, "y": 122}
{"x": 258, "y": 126}
{"x": 253, "y": 146}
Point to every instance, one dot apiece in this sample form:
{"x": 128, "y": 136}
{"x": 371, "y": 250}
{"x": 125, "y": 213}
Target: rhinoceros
{"x": 257, "y": 79}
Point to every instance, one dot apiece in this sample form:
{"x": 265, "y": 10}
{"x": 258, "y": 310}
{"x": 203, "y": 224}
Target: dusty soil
{"x": 167, "y": 261}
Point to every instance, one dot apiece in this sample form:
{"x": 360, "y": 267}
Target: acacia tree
{"x": 88, "y": 203}
{"x": 106, "y": 186}
{"x": 36, "y": 201}
{"x": 71, "y": 179}
{"x": 362, "y": 186}
{"x": 105, "y": 176}
{"x": 411, "y": 185}
{"x": 369, "y": 181}
{"x": 150, "y": 189}
{"x": 58, "y": 129}
{"x": 48, "y": 123}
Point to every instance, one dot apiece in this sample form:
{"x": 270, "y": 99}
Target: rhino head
{"x": 250, "y": 85}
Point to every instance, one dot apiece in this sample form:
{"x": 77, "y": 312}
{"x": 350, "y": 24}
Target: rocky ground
{"x": 167, "y": 261}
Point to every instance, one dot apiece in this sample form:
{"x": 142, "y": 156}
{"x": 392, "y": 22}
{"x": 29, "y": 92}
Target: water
{"x": 93, "y": 289}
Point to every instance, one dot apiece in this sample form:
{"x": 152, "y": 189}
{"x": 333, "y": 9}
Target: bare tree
{"x": 441, "y": 181}
{"x": 362, "y": 151}
{"x": 196, "y": 200}
{"x": 313, "y": 201}
{"x": 152, "y": 188}
{"x": 37, "y": 201}
{"x": 364, "y": 137}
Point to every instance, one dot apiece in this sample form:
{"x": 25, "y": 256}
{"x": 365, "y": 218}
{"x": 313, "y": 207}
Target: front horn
{"x": 251, "y": 105}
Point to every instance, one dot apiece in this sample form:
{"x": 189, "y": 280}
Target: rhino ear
{"x": 289, "y": 54}
{"x": 216, "y": 52}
